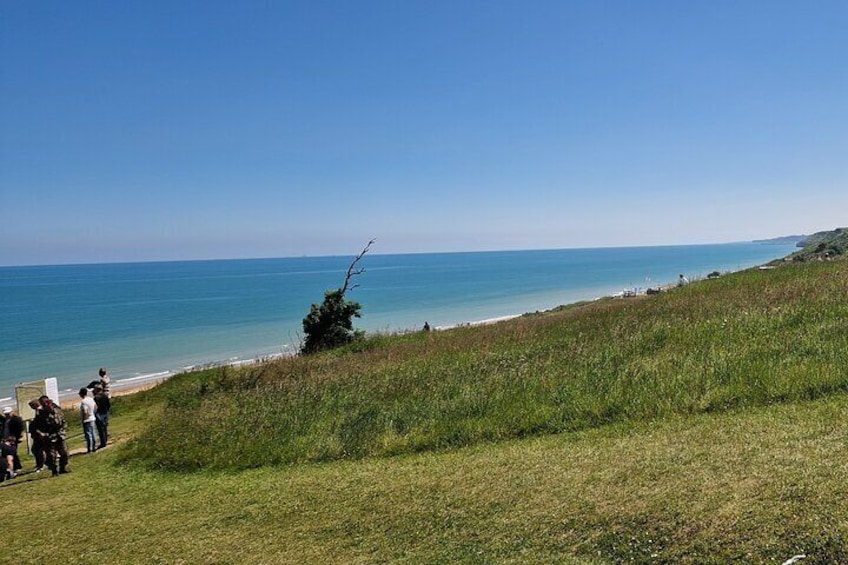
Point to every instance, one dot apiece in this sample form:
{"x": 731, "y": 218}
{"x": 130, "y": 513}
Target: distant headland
{"x": 786, "y": 239}
{"x": 822, "y": 245}
{"x": 818, "y": 246}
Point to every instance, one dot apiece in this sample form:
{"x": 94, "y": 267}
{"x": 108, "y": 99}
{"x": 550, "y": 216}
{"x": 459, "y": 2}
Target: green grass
{"x": 706, "y": 425}
{"x": 749, "y": 339}
{"x": 747, "y": 486}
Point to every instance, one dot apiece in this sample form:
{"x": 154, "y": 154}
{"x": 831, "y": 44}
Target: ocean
{"x": 147, "y": 319}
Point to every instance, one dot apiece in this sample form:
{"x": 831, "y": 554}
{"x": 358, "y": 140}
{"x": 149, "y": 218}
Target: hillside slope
{"x": 748, "y": 339}
{"x": 825, "y": 244}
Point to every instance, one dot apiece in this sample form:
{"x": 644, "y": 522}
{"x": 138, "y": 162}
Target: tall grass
{"x": 747, "y": 339}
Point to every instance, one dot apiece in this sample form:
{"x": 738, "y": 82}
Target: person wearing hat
{"x": 13, "y": 426}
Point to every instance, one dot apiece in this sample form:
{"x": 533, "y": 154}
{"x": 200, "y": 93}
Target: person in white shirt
{"x": 87, "y": 410}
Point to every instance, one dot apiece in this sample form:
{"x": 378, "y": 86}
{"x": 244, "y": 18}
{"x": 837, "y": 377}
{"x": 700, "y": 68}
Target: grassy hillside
{"x": 825, "y": 244}
{"x": 753, "y": 486}
{"x": 748, "y": 339}
{"x": 705, "y": 425}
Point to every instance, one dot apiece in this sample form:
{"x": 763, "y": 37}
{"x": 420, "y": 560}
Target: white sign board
{"x": 24, "y": 392}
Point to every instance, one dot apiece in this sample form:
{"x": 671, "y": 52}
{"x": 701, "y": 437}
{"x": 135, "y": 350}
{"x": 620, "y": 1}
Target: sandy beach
{"x": 122, "y": 387}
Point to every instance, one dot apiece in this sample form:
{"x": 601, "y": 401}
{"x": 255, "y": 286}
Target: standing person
{"x": 8, "y": 452}
{"x": 105, "y": 381}
{"x": 38, "y": 433}
{"x": 87, "y": 409}
{"x": 13, "y": 426}
{"x": 56, "y": 431}
{"x": 101, "y": 414}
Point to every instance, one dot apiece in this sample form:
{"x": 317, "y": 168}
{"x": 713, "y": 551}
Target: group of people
{"x": 48, "y": 430}
{"x": 94, "y": 413}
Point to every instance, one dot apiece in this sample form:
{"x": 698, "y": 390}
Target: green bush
{"x": 330, "y": 324}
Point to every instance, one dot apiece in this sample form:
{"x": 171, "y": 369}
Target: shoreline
{"x": 124, "y": 383}
{"x": 139, "y": 383}
{"x": 131, "y": 385}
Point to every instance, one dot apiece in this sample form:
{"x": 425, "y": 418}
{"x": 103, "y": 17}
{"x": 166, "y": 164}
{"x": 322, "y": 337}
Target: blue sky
{"x": 184, "y": 130}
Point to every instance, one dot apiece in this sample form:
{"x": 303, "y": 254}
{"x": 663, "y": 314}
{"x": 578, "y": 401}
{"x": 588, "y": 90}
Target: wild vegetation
{"x": 701, "y": 425}
{"x": 823, "y": 245}
{"x": 748, "y": 339}
{"x": 330, "y": 324}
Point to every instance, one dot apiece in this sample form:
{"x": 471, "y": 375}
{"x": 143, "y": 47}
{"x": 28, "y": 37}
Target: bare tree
{"x": 330, "y": 324}
{"x": 353, "y": 271}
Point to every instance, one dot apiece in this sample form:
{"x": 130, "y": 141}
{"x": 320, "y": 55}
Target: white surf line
{"x": 484, "y": 322}
{"x": 148, "y": 376}
{"x": 488, "y": 321}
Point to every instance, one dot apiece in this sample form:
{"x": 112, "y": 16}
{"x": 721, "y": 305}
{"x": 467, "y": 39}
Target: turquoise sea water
{"x": 142, "y": 318}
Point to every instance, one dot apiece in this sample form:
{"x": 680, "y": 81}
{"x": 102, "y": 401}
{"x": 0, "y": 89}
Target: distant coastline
{"x": 784, "y": 240}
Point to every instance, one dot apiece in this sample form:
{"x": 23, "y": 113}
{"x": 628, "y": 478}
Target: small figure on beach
{"x": 426, "y": 326}
{"x": 682, "y": 281}
{"x": 101, "y": 414}
{"x": 13, "y": 426}
{"x": 38, "y": 435}
{"x": 87, "y": 409}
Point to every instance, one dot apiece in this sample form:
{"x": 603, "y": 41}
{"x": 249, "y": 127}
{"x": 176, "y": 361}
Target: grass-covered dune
{"x": 704, "y": 425}
{"x": 748, "y": 339}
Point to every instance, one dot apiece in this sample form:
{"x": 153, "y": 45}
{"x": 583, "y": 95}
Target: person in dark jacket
{"x": 8, "y": 453}
{"x": 13, "y": 426}
{"x": 56, "y": 430}
{"x": 101, "y": 415}
{"x": 37, "y": 433}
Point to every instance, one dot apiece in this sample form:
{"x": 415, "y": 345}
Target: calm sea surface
{"x": 142, "y": 318}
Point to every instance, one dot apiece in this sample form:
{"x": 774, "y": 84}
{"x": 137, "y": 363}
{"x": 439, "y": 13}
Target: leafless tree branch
{"x": 352, "y": 270}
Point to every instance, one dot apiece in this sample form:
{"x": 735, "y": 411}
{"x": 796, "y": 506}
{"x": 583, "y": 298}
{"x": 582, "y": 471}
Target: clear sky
{"x": 208, "y": 129}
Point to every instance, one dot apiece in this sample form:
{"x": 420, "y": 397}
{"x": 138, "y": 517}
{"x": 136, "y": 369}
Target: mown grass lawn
{"x": 754, "y": 486}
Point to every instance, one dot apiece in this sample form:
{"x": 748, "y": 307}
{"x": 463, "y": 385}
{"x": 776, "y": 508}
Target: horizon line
{"x": 332, "y": 255}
